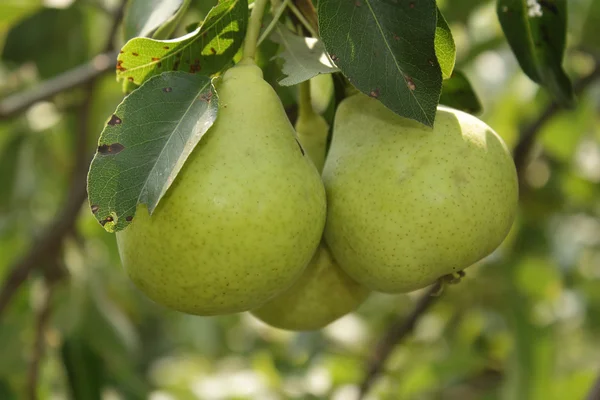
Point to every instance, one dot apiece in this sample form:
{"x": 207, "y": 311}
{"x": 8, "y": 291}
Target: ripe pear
{"x": 408, "y": 204}
{"x": 324, "y": 292}
{"x": 242, "y": 218}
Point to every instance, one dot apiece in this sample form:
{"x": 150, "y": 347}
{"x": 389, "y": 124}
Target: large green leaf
{"x": 458, "y": 93}
{"x": 303, "y": 57}
{"x": 86, "y": 373}
{"x": 42, "y": 38}
{"x": 146, "y": 142}
{"x": 142, "y": 17}
{"x": 386, "y": 49}
{"x": 206, "y": 50}
{"x": 536, "y": 32}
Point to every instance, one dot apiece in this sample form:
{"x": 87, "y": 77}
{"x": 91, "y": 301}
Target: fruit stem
{"x": 305, "y": 107}
{"x": 253, "y": 31}
{"x": 277, "y": 9}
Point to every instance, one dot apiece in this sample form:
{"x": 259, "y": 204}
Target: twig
{"x": 307, "y": 9}
{"x": 48, "y": 246}
{"x": 37, "y": 353}
{"x": 594, "y": 393}
{"x": 15, "y": 104}
{"x": 528, "y": 134}
{"x": 395, "y": 335}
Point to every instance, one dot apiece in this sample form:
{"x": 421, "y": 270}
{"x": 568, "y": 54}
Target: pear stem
{"x": 303, "y": 20}
{"x": 253, "y": 31}
{"x": 304, "y": 104}
{"x": 280, "y": 8}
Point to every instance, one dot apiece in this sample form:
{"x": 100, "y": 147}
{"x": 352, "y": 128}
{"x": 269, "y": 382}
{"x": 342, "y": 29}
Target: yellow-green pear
{"x": 242, "y": 218}
{"x": 408, "y": 204}
{"x": 324, "y": 292}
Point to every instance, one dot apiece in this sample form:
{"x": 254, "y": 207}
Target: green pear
{"x": 408, "y": 204}
{"x": 324, "y": 292}
{"x": 243, "y": 216}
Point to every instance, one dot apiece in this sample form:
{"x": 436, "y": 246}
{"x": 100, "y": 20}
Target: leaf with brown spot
{"x": 139, "y": 158}
{"x": 214, "y": 43}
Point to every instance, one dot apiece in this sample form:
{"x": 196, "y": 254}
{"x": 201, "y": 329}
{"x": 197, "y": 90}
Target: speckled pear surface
{"x": 407, "y": 204}
{"x": 322, "y": 294}
{"x": 243, "y": 217}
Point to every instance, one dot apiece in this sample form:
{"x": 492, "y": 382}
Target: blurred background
{"x": 523, "y": 324}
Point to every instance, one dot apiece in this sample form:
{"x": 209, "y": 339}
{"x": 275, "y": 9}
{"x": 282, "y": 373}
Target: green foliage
{"x": 523, "y": 324}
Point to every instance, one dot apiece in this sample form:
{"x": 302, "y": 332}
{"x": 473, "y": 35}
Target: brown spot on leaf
{"x": 166, "y": 47}
{"x": 168, "y": 89}
{"x": 357, "y": 3}
{"x": 411, "y": 4}
{"x": 114, "y": 120}
{"x": 374, "y": 93}
{"x": 155, "y": 58}
{"x": 130, "y": 79}
{"x": 129, "y": 219}
{"x": 212, "y": 50}
{"x": 106, "y": 220}
{"x": 206, "y": 97}
{"x": 120, "y": 66}
{"x": 135, "y": 54}
{"x": 334, "y": 58}
{"x": 396, "y": 37}
{"x": 410, "y": 83}
{"x": 95, "y": 208}
{"x": 121, "y": 52}
{"x": 114, "y": 148}
{"x": 431, "y": 62}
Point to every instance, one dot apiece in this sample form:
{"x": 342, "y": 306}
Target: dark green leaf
{"x": 536, "y": 32}
{"x": 84, "y": 367}
{"x": 9, "y": 157}
{"x": 386, "y": 49}
{"x": 303, "y": 57}
{"x": 146, "y": 142}
{"x": 206, "y": 50}
{"x": 142, "y": 17}
{"x": 43, "y": 39}
{"x": 445, "y": 49}
{"x": 458, "y": 93}
{"x": 12, "y": 11}
{"x": 591, "y": 30}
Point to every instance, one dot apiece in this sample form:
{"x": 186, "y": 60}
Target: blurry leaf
{"x": 536, "y": 32}
{"x": 6, "y": 392}
{"x": 387, "y": 51}
{"x": 539, "y": 279}
{"x": 459, "y": 11}
{"x": 165, "y": 31}
{"x": 142, "y": 17}
{"x": 43, "y": 39}
{"x": 145, "y": 143}
{"x": 13, "y": 10}
{"x": 84, "y": 367}
{"x": 458, "y": 93}
{"x": 303, "y": 57}
{"x": 591, "y": 29}
{"x": 206, "y": 50}
{"x": 9, "y": 156}
{"x": 445, "y": 49}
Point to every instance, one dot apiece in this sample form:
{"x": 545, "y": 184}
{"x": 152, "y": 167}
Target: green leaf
{"x": 386, "y": 49}
{"x": 303, "y": 57}
{"x": 206, "y": 50}
{"x": 536, "y": 32}
{"x": 146, "y": 142}
{"x": 591, "y": 28}
{"x": 166, "y": 29}
{"x": 142, "y": 17}
{"x": 13, "y": 10}
{"x": 458, "y": 93}
{"x": 84, "y": 367}
{"x": 42, "y": 38}
{"x": 445, "y": 49}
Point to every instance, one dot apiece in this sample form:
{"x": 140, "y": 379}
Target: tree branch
{"x": 528, "y": 134}
{"x": 42, "y": 320}
{"x": 397, "y": 332}
{"x": 48, "y": 246}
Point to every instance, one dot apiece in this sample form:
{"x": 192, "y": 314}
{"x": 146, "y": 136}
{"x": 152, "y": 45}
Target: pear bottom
{"x": 322, "y": 294}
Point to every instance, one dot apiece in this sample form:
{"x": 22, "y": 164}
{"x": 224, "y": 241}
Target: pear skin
{"x": 408, "y": 204}
{"x": 243, "y": 216}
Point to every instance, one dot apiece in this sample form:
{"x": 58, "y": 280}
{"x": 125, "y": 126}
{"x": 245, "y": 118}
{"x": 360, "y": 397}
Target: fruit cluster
{"x": 250, "y": 224}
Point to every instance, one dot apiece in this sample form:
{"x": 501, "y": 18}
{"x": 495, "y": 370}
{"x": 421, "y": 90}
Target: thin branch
{"x": 307, "y": 9}
{"x": 395, "y": 335}
{"x": 594, "y": 393}
{"x": 48, "y": 246}
{"x": 15, "y": 104}
{"x": 41, "y": 324}
{"x": 528, "y": 134}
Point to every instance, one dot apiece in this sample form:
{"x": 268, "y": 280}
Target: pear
{"x": 243, "y": 217}
{"x": 408, "y": 204}
{"x": 324, "y": 292}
